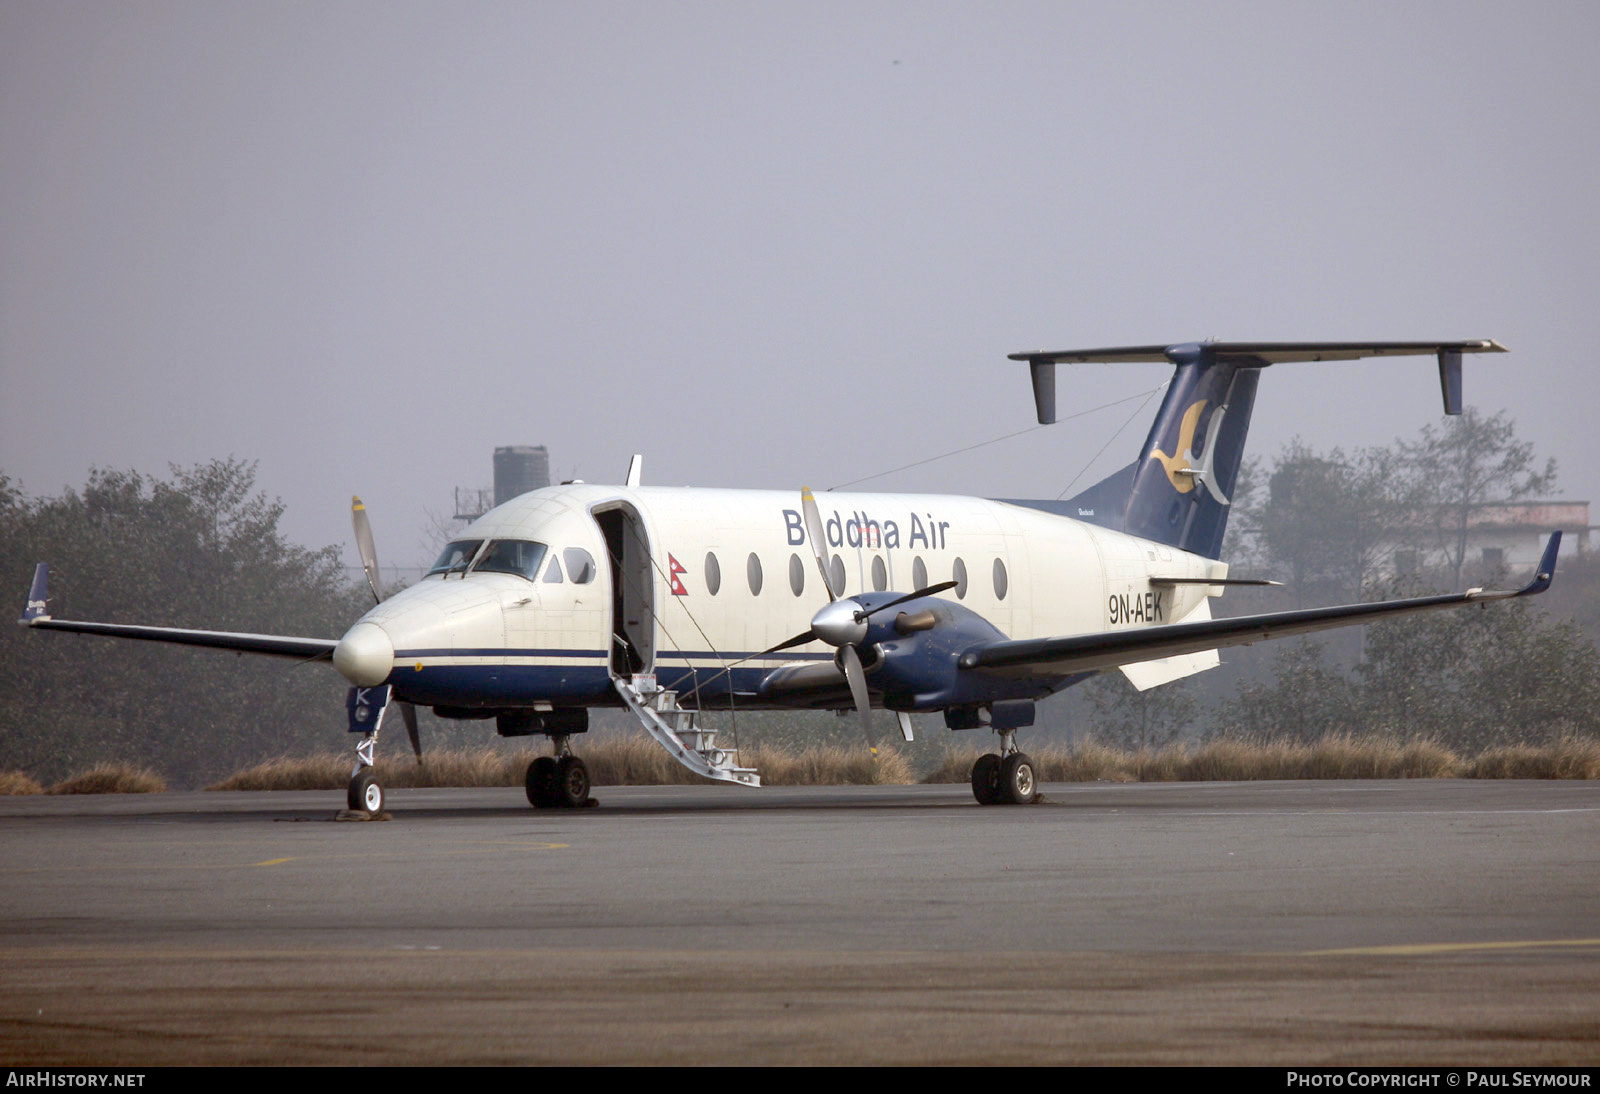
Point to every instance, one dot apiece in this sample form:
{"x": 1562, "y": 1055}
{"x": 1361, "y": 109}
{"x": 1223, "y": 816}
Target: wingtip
{"x": 1546, "y": 572}
{"x": 38, "y": 596}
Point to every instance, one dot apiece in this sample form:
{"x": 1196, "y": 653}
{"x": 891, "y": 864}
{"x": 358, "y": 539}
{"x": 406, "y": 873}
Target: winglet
{"x": 1547, "y": 567}
{"x": 38, "y": 596}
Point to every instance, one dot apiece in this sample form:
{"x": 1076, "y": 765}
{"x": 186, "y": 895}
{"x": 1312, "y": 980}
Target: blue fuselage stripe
{"x": 591, "y": 655}
{"x": 517, "y": 685}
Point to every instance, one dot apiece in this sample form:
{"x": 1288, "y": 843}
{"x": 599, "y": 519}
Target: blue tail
{"x": 1181, "y": 488}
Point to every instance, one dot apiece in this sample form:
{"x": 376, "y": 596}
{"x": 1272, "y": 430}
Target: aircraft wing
{"x": 1107, "y": 650}
{"x": 306, "y": 649}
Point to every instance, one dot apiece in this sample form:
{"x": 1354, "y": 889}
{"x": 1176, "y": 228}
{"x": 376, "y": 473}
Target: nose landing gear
{"x": 364, "y": 795}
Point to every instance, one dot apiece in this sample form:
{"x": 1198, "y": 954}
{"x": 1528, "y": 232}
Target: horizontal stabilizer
{"x": 1214, "y": 581}
{"x": 1259, "y": 354}
{"x": 1254, "y": 355}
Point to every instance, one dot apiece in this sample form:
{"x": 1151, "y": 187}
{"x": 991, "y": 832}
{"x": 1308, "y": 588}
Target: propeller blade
{"x": 814, "y": 533}
{"x": 408, "y": 712}
{"x": 812, "y": 636}
{"x": 929, "y": 591}
{"x": 857, "y": 676}
{"x": 790, "y": 643}
{"x": 364, "y": 544}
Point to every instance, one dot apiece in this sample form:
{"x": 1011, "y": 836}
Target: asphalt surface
{"x": 1430, "y": 921}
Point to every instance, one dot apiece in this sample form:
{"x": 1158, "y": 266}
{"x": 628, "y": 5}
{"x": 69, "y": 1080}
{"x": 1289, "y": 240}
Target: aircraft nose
{"x": 364, "y": 656}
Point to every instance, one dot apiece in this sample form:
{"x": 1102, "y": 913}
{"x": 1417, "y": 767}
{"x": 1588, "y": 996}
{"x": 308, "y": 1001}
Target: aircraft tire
{"x": 1018, "y": 784}
{"x": 572, "y": 782}
{"x": 541, "y": 783}
{"x": 986, "y": 779}
{"x": 365, "y": 794}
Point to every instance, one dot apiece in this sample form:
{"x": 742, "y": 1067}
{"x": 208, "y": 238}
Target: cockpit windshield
{"x": 513, "y": 556}
{"x": 456, "y": 556}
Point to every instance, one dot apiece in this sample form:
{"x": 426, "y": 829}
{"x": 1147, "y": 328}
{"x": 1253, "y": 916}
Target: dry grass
{"x": 18, "y": 782}
{"x": 638, "y": 761}
{"x": 1565, "y": 758}
{"x": 112, "y": 779}
{"x": 830, "y": 766}
{"x": 629, "y": 761}
{"x": 1229, "y": 760}
{"x": 331, "y": 771}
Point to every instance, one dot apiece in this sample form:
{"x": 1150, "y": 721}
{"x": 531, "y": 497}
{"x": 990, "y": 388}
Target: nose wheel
{"x": 365, "y": 793}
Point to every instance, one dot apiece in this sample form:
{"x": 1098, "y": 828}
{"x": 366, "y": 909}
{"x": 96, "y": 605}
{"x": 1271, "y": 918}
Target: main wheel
{"x": 541, "y": 783}
{"x": 1017, "y": 783}
{"x": 572, "y": 782}
{"x": 986, "y": 779}
{"x": 365, "y": 794}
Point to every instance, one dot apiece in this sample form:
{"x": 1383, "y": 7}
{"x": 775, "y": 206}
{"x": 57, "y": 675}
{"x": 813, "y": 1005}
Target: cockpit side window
{"x": 512, "y": 556}
{"x": 456, "y": 556}
{"x": 580, "y": 565}
{"x": 552, "y": 576}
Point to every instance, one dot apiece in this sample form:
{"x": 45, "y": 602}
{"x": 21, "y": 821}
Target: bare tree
{"x": 1459, "y": 469}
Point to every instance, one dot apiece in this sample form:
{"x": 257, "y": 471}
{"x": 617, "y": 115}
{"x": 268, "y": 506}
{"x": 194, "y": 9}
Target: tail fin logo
{"x": 1183, "y": 468}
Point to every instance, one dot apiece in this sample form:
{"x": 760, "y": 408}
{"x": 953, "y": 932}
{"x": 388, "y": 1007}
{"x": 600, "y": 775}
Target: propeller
{"x": 364, "y": 544}
{"x": 843, "y": 622}
{"x": 369, "y": 566}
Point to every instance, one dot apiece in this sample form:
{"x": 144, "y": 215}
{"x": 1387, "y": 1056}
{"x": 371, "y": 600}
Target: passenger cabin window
{"x": 797, "y": 575}
{"x": 959, "y": 573}
{"x": 580, "y": 565}
{"x": 752, "y": 571}
{"x": 919, "y": 573}
{"x": 456, "y": 556}
{"x": 713, "y": 573}
{"x": 836, "y": 575}
{"x": 513, "y": 556}
{"x": 1000, "y": 582}
{"x": 880, "y": 575}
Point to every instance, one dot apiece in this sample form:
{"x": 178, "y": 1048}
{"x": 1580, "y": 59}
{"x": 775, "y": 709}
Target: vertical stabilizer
{"x": 1183, "y": 486}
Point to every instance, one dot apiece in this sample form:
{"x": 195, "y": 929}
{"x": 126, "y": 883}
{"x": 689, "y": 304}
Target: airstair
{"x": 679, "y": 732}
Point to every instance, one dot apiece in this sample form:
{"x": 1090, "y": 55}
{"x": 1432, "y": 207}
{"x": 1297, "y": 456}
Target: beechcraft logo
{"x": 674, "y": 568}
{"x": 1184, "y": 468}
{"x": 1184, "y": 456}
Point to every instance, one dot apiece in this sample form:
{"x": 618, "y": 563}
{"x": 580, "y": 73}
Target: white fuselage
{"x": 729, "y": 573}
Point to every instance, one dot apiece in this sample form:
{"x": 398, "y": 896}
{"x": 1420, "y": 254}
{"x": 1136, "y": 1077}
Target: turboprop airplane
{"x": 671, "y": 602}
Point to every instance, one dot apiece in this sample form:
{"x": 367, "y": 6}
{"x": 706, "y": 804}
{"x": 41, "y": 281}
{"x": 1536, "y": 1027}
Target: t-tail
{"x": 1180, "y": 489}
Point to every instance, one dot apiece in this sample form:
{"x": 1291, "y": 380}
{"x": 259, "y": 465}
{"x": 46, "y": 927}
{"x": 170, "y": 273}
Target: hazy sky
{"x": 766, "y": 244}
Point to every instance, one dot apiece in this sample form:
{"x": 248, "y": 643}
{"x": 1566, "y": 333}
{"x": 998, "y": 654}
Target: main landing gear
{"x": 558, "y": 782}
{"x": 1007, "y": 778}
